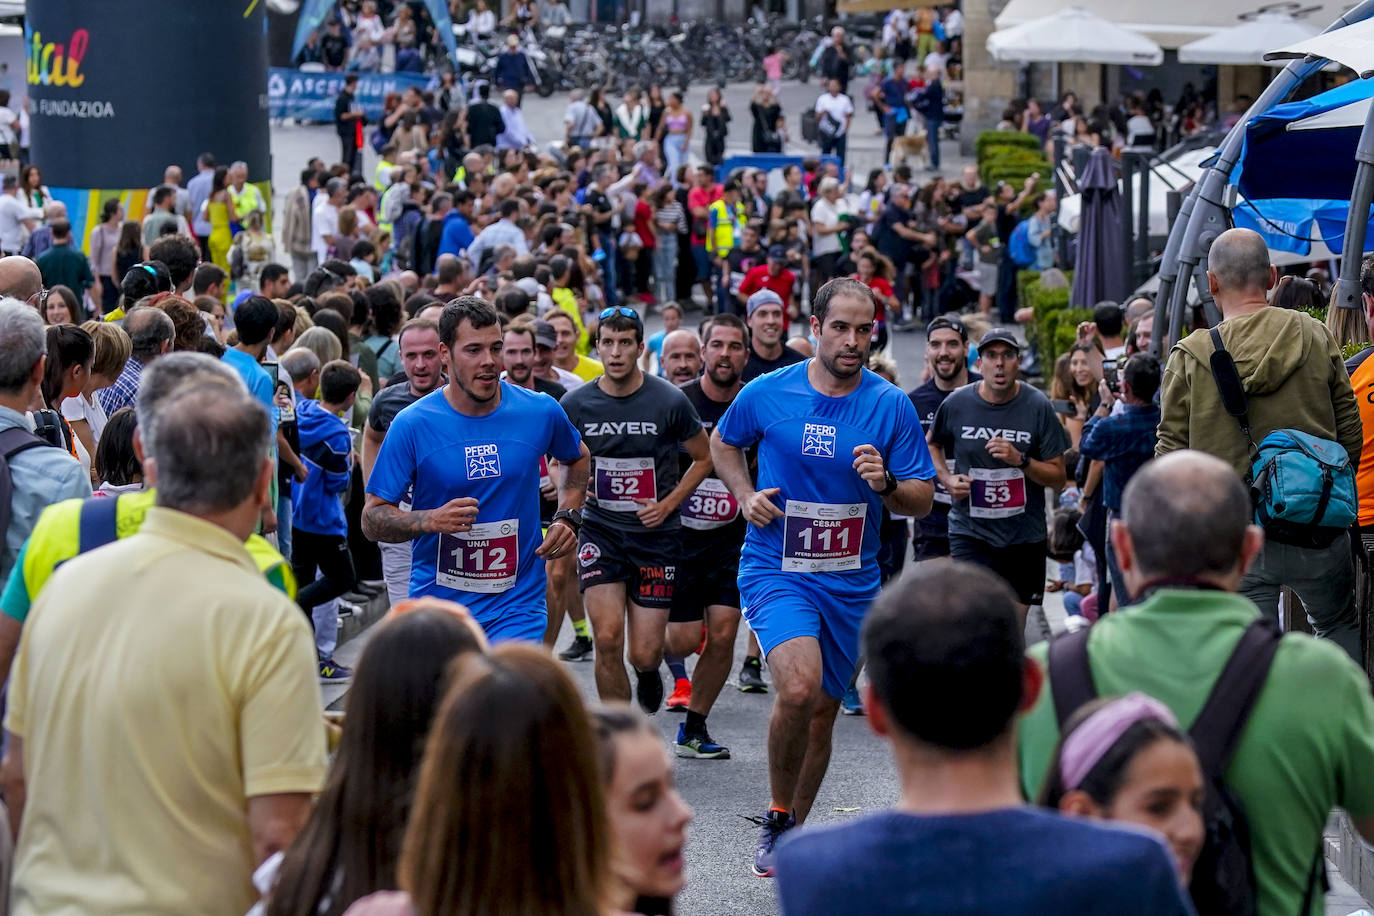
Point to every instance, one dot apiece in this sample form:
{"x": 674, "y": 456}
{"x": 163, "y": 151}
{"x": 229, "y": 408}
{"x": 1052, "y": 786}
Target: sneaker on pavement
{"x": 771, "y": 826}
{"x": 649, "y": 690}
{"x": 331, "y": 670}
{"x": 699, "y": 746}
{"x": 579, "y": 650}
{"x": 850, "y": 704}
{"x": 681, "y": 696}
{"x": 751, "y": 677}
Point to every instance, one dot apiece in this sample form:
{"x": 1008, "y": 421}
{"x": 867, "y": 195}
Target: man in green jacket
{"x": 1294, "y": 378}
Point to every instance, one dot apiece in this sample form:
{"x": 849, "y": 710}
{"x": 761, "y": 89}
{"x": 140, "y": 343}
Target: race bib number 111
{"x": 822, "y": 537}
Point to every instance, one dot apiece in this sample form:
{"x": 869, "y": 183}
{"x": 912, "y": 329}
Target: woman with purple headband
{"x": 1125, "y": 759}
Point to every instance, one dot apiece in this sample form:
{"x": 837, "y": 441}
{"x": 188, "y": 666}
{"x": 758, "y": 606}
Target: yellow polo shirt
{"x": 160, "y": 683}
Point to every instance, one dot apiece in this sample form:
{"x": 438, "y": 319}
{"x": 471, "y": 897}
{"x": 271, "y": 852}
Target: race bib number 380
{"x": 620, "y": 482}
{"x": 483, "y": 559}
{"x": 822, "y": 537}
{"x": 996, "y": 492}
{"x": 710, "y": 506}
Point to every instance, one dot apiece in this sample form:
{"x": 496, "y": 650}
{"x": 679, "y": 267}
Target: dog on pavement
{"x": 910, "y": 146}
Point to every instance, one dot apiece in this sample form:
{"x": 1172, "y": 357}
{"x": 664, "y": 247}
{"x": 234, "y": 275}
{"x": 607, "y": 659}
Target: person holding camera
{"x": 1119, "y": 442}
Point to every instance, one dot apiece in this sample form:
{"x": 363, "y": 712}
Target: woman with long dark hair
{"x": 509, "y": 818}
{"x": 352, "y": 843}
{"x": 70, "y": 351}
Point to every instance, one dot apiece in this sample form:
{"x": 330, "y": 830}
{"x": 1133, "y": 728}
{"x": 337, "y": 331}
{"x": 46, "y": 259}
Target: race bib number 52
{"x": 620, "y": 482}
{"x": 483, "y": 559}
{"x": 822, "y": 537}
{"x": 996, "y": 492}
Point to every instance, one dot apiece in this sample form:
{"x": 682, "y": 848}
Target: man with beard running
{"x": 469, "y": 458}
{"x": 836, "y": 445}
{"x": 424, "y": 371}
{"x": 630, "y": 544}
{"x": 947, "y": 354}
{"x": 997, "y": 446}
{"x": 712, "y": 535}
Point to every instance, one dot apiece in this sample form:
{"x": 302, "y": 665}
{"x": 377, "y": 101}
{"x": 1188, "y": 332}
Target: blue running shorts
{"x": 782, "y": 606}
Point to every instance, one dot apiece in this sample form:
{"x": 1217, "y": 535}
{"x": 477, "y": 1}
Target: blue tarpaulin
{"x": 310, "y": 96}
{"x": 1295, "y": 185}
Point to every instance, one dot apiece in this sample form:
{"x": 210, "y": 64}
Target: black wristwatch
{"x": 572, "y": 516}
{"x": 891, "y": 483}
{"x": 1025, "y": 460}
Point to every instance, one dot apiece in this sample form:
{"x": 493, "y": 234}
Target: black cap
{"x": 948, "y": 323}
{"x": 1000, "y": 335}
{"x": 777, "y": 253}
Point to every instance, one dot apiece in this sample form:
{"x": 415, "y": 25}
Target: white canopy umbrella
{"x": 1172, "y": 23}
{"x": 1352, "y": 46}
{"x": 1248, "y": 42}
{"x": 1073, "y": 35}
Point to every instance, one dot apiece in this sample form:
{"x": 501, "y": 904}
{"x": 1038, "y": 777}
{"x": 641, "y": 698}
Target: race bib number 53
{"x": 622, "y": 481}
{"x": 996, "y": 492}
{"x": 483, "y": 559}
{"x": 822, "y": 537}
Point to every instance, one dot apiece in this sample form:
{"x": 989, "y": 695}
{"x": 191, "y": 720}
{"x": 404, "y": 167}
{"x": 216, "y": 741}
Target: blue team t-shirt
{"x": 436, "y": 454}
{"x": 806, "y": 444}
{"x": 1011, "y": 861}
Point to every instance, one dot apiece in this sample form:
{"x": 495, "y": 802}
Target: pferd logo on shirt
{"x": 482, "y": 461}
{"x": 818, "y": 440}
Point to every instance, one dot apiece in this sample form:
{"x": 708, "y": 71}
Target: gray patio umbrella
{"x": 1100, "y": 270}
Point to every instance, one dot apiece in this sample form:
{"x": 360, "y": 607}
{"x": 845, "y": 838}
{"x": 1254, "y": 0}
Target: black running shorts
{"x": 646, "y": 561}
{"x": 705, "y": 580}
{"x": 1021, "y": 565}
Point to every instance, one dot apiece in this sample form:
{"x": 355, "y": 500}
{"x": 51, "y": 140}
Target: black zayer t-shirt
{"x": 634, "y": 445}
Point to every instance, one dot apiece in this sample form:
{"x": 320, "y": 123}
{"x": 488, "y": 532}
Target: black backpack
{"x": 14, "y": 440}
{"x": 1223, "y": 878}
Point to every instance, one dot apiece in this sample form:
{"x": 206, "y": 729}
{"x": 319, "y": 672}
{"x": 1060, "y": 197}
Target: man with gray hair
{"x": 324, "y": 218}
{"x": 1303, "y": 746}
{"x": 38, "y": 474}
{"x": 580, "y": 122}
{"x": 40, "y": 239}
{"x": 247, "y": 198}
{"x": 1294, "y": 378}
{"x": 200, "y": 724}
{"x": 151, "y": 331}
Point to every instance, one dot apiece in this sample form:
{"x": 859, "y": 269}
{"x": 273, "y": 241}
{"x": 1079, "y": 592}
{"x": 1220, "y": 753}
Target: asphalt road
{"x": 861, "y": 777}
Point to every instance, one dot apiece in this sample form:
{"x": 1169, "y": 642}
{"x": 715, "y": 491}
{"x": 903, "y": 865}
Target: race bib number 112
{"x": 484, "y": 559}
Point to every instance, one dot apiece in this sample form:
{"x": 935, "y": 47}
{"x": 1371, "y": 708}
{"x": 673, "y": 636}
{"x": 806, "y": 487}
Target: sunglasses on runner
{"x": 622, "y": 311}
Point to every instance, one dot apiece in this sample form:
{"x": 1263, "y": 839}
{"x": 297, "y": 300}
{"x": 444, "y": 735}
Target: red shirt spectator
{"x": 782, "y": 282}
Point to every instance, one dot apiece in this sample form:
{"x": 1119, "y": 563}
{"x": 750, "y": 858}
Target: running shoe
{"x": 649, "y": 690}
{"x": 699, "y": 746}
{"x": 681, "y": 697}
{"x": 850, "y": 704}
{"x": 579, "y": 650}
{"x": 751, "y": 677}
{"x": 331, "y": 670}
{"x": 771, "y": 826}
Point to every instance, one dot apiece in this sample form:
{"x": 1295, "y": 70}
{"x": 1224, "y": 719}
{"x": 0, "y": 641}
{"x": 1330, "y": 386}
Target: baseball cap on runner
{"x": 545, "y": 335}
{"x": 1002, "y": 336}
{"x": 948, "y": 323}
{"x": 759, "y": 299}
{"x": 777, "y": 253}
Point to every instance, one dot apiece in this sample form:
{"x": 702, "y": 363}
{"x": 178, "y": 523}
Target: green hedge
{"x": 1054, "y": 327}
{"x": 1004, "y": 138}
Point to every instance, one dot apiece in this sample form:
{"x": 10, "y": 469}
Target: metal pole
{"x": 1346, "y": 293}
{"x": 1128, "y": 167}
{"x": 1142, "y": 233}
{"x": 1168, "y": 273}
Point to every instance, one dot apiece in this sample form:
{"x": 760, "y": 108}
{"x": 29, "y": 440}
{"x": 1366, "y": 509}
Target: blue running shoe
{"x": 699, "y": 746}
{"x": 332, "y": 671}
{"x": 772, "y": 825}
{"x": 850, "y": 704}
